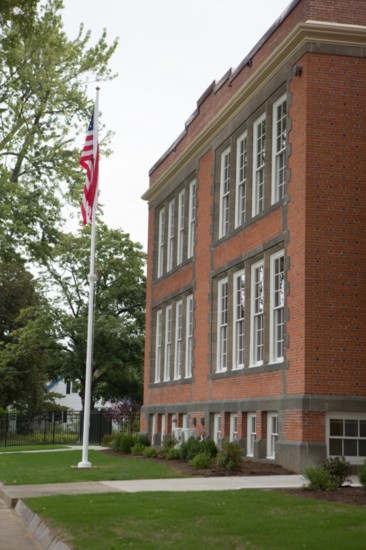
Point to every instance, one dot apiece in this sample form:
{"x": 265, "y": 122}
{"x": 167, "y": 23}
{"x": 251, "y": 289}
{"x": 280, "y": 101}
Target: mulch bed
{"x": 344, "y": 495}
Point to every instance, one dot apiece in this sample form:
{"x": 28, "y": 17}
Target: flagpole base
{"x": 84, "y": 464}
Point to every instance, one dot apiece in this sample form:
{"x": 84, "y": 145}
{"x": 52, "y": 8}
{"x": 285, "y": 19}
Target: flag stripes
{"x": 89, "y": 160}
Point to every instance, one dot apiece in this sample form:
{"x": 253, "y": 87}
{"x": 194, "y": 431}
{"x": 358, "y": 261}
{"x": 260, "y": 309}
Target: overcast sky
{"x": 169, "y": 52}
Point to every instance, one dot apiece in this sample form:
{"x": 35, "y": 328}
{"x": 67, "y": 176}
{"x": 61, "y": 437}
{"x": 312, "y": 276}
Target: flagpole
{"x": 89, "y": 351}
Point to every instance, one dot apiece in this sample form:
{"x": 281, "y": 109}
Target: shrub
{"x": 319, "y": 479}
{"x": 338, "y": 468}
{"x": 138, "y": 449}
{"x": 190, "y": 448}
{"x": 107, "y": 440}
{"x": 172, "y": 454}
{"x": 230, "y": 457}
{"x": 143, "y": 439}
{"x": 362, "y": 474}
{"x": 208, "y": 446}
{"x": 123, "y": 443}
{"x": 150, "y": 452}
{"x": 201, "y": 461}
{"x": 169, "y": 442}
{"x": 161, "y": 453}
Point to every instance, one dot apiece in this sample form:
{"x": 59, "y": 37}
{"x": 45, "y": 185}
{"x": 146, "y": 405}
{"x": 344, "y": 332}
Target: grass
{"x": 61, "y": 467}
{"x": 250, "y": 519}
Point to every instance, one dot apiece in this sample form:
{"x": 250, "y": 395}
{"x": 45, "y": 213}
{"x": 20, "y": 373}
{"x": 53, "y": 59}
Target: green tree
{"x": 28, "y": 344}
{"x": 118, "y": 343}
{"x": 43, "y": 105}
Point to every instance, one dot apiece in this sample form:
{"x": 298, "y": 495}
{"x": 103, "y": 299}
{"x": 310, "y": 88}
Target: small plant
{"x": 209, "y": 447}
{"x": 362, "y": 474}
{"x": 190, "y": 448}
{"x": 138, "y": 449}
{"x": 123, "y": 443}
{"x": 201, "y": 461}
{"x": 338, "y": 468}
{"x": 172, "y": 454}
{"x": 319, "y": 479}
{"x": 150, "y": 452}
{"x": 169, "y": 442}
{"x": 107, "y": 439}
{"x": 230, "y": 457}
{"x": 143, "y": 439}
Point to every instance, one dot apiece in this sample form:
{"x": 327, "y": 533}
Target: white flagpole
{"x": 89, "y": 351}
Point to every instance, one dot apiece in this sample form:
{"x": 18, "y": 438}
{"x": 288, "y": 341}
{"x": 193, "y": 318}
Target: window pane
{"x": 335, "y": 447}
{"x": 351, "y": 428}
{"x": 362, "y": 428}
{"x": 350, "y": 447}
{"x": 362, "y": 447}
{"x": 336, "y": 427}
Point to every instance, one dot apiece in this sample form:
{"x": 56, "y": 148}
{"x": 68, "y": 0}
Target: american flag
{"x": 90, "y": 161}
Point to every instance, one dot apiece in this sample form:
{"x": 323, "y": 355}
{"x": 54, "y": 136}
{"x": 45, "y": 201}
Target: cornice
{"x": 304, "y": 33}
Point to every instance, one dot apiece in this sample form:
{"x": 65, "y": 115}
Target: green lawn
{"x": 243, "y": 519}
{"x": 61, "y": 467}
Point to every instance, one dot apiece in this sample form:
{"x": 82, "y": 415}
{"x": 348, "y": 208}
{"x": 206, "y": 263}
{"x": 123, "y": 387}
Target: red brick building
{"x": 256, "y": 302}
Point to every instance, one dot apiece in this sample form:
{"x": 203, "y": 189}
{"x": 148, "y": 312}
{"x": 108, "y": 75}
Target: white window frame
{"x": 241, "y": 179}
{"x": 272, "y": 434}
{"x": 224, "y": 192}
{"x": 217, "y": 428}
{"x": 279, "y": 145}
{"x": 222, "y": 324}
{"x": 180, "y": 236}
{"x": 161, "y": 242}
{"x": 158, "y": 345}
{"x": 189, "y": 336}
{"x": 257, "y": 316}
{"x": 168, "y": 341}
{"x": 233, "y": 427}
{"x": 170, "y": 250}
{"x": 259, "y": 164}
{"x": 178, "y": 356}
{"x": 191, "y": 218}
{"x": 277, "y": 309}
{"x": 251, "y": 432}
{"x": 359, "y": 417}
{"x": 239, "y": 319}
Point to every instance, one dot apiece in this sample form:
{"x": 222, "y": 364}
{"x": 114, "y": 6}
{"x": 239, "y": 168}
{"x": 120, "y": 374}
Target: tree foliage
{"x": 43, "y": 104}
{"x": 118, "y": 343}
{"x": 28, "y": 344}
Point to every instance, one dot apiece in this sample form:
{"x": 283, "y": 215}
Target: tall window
{"x": 233, "y": 427}
{"x": 170, "y": 235}
{"x": 168, "y": 342}
{"x": 277, "y": 319}
{"x": 251, "y": 433}
{"x": 161, "y": 242}
{"x": 178, "y": 340}
{"x": 158, "y": 345}
{"x": 272, "y": 434}
{"x": 239, "y": 320}
{"x": 224, "y": 193}
{"x": 257, "y": 311}
{"x": 222, "y": 331}
{"x": 259, "y": 153}
{"x": 180, "y": 243}
{"x": 191, "y": 218}
{"x": 279, "y": 149}
{"x": 189, "y": 336}
{"x": 241, "y": 178}
{"x": 217, "y": 428}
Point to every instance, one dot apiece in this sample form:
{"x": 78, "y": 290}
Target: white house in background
{"x": 71, "y": 398}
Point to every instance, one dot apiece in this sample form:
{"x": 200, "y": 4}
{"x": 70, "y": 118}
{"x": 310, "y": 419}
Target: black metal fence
{"x": 52, "y": 428}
